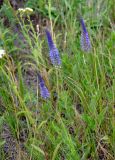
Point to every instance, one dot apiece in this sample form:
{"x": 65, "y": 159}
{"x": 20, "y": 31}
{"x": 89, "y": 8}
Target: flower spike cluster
{"x": 43, "y": 89}
{"x": 55, "y": 56}
{"x": 85, "y": 41}
{"x": 53, "y": 51}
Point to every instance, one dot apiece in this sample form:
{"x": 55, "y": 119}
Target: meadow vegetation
{"x": 76, "y": 119}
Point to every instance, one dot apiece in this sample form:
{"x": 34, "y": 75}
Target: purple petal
{"x": 53, "y": 51}
{"x": 85, "y": 41}
{"x": 54, "y": 56}
{"x": 43, "y": 89}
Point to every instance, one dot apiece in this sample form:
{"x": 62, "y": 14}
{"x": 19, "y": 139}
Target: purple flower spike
{"x": 85, "y": 41}
{"x": 43, "y": 89}
{"x": 53, "y": 51}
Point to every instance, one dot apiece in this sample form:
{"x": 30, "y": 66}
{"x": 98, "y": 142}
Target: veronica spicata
{"x": 43, "y": 89}
{"x": 53, "y": 51}
{"x": 85, "y": 41}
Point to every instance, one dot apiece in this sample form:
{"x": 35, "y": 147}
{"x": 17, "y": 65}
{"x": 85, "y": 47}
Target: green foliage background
{"x": 78, "y": 121}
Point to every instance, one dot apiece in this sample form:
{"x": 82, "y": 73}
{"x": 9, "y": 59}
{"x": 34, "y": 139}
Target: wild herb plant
{"x": 63, "y": 112}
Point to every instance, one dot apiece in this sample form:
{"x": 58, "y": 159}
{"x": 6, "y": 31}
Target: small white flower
{"x": 2, "y": 53}
{"x": 22, "y": 10}
{"x": 29, "y": 9}
{"x": 25, "y": 10}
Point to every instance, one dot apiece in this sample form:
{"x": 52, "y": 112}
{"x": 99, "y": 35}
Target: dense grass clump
{"x": 57, "y": 80}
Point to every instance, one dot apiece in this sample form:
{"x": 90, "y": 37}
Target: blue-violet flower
{"x": 85, "y": 41}
{"x": 53, "y": 51}
{"x": 43, "y": 89}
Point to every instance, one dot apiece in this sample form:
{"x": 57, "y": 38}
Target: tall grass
{"x": 77, "y": 121}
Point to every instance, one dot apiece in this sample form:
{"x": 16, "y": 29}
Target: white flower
{"x": 21, "y": 10}
{"x": 29, "y": 9}
{"x": 2, "y": 53}
{"x": 25, "y": 10}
